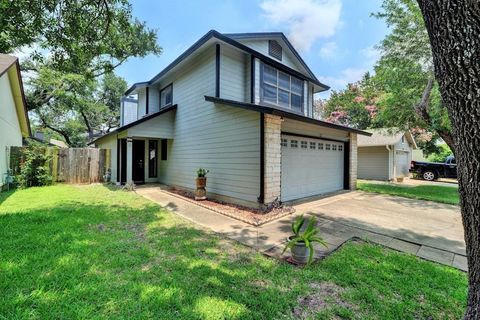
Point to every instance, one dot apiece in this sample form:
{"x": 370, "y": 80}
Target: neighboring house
{"x": 239, "y": 105}
{"x": 418, "y": 155}
{"x": 14, "y": 124}
{"x": 386, "y": 155}
{"x": 40, "y": 137}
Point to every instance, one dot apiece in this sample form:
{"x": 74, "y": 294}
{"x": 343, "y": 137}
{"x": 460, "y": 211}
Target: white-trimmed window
{"x": 340, "y": 148}
{"x": 293, "y": 144}
{"x": 334, "y": 147}
{"x": 327, "y": 146}
{"x": 304, "y": 144}
{"x": 166, "y": 97}
{"x": 313, "y": 145}
{"x": 281, "y": 89}
{"x": 284, "y": 143}
{"x": 320, "y": 146}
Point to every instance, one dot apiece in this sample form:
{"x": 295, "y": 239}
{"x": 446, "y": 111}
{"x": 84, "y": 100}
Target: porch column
{"x": 272, "y": 158}
{"x": 129, "y": 160}
{"x": 353, "y": 161}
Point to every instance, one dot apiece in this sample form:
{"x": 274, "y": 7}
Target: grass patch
{"x": 442, "y": 194}
{"x": 90, "y": 252}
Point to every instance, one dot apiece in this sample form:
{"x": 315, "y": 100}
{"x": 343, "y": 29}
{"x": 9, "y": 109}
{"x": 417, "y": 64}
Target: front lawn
{"x": 90, "y": 252}
{"x": 441, "y": 194}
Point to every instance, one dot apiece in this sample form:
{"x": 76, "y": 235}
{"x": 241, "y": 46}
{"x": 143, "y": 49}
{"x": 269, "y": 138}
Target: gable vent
{"x": 274, "y": 49}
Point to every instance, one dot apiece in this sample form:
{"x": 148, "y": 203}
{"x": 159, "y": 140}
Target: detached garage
{"x": 385, "y": 155}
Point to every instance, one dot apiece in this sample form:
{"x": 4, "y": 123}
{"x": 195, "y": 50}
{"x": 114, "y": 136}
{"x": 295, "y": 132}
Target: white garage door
{"x": 401, "y": 157}
{"x": 310, "y": 167}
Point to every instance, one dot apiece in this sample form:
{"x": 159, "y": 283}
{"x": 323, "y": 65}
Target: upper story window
{"x": 166, "y": 96}
{"x": 275, "y": 49}
{"x": 281, "y": 89}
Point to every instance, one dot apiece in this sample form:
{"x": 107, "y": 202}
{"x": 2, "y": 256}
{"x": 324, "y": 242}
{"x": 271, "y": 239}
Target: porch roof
{"x": 137, "y": 122}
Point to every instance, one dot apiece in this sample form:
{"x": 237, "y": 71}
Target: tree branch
{"x": 422, "y": 111}
{"x": 87, "y": 123}
{"x": 63, "y": 133}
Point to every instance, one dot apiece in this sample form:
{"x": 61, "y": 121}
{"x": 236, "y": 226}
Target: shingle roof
{"x": 380, "y": 137}
{"x": 6, "y": 61}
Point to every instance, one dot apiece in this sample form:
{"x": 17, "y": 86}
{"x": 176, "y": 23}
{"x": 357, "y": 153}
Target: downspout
{"x": 390, "y": 151}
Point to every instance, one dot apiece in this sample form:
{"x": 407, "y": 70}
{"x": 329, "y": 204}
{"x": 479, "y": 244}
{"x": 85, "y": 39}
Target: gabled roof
{"x": 274, "y": 36}
{"x": 385, "y": 137}
{"x": 137, "y": 122}
{"x": 229, "y": 39}
{"x": 9, "y": 65}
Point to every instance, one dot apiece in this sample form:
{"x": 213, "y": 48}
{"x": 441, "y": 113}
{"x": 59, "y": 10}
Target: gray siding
{"x": 153, "y": 100}
{"x": 142, "y": 103}
{"x": 373, "y": 163}
{"x": 233, "y": 74}
{"x": 223, "y": 139}
{"x": 110, "y": 142}
{"x": 293, "y": 126}
{"x": 158, "y": 127}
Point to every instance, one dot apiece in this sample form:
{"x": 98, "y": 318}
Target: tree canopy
{"x": 73, "y": 49}
{"x": 402, "y": 92}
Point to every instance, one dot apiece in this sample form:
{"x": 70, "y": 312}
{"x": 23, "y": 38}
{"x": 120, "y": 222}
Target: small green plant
{"x": 307, "y": 237}
{"x": 201, "y": 172}
{"x": 35, "y": 169}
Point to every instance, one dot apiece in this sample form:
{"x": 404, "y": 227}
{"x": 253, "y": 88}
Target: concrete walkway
{"x": 428, "y": 230}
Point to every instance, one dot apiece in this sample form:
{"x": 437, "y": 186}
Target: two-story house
{"x": 240, "y": 105}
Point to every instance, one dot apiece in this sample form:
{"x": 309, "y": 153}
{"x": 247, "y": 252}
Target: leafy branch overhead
{"x": 85, "y": 37}
{"x": 74, "y": 48}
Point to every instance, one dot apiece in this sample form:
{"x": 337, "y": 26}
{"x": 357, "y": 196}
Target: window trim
{"x": 277, "y": 86}
{"x": 171, "y": 93}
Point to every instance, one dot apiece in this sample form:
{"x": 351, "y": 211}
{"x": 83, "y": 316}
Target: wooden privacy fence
{"x": 70, "y": 165}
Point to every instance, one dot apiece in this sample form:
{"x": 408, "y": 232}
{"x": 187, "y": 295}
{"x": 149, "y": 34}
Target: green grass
{"x": 442, "y": 194}
{"x": 89, "y": 252}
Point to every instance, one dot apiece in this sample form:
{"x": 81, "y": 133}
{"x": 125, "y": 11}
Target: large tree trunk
{"x": 454, "y": 31}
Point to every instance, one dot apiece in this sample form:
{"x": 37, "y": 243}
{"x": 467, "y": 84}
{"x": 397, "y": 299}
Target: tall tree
{"x": 79, "y": 107}
{"x": 74, "y": 48}
{"x": 405, "y": 73}
{"x": 454, "y": 33}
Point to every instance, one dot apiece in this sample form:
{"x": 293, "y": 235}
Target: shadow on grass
{"x": 126, "y": 258}
{"x": 78, "y": 261}
{"x": 4, "y": 195}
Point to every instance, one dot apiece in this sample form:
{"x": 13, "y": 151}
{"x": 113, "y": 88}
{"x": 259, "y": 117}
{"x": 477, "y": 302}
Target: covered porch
{"x": 139, "y": 159}
{"x": 139, "y": 147}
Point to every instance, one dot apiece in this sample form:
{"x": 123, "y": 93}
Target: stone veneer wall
{"x": 273, "y": 155}
{"x": 353, "y": 161}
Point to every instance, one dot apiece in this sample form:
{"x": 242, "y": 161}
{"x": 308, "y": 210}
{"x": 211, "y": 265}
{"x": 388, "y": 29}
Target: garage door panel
{"x": 310, "y": 171}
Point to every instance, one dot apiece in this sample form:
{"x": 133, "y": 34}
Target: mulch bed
{"x": 255, "y": 217}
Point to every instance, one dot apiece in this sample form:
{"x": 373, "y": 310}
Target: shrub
{"x": 35, "y": 169}
{"x": 442, "y": 153}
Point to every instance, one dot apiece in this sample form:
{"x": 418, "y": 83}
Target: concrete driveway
{"x": 425, "y": 223}
{"x": 428, "y": 230}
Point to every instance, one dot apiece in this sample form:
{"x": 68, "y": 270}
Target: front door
{"x": 138, "y": 161}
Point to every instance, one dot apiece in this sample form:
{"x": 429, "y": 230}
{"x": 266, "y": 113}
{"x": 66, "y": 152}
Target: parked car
{"x": 433, "y": 170}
